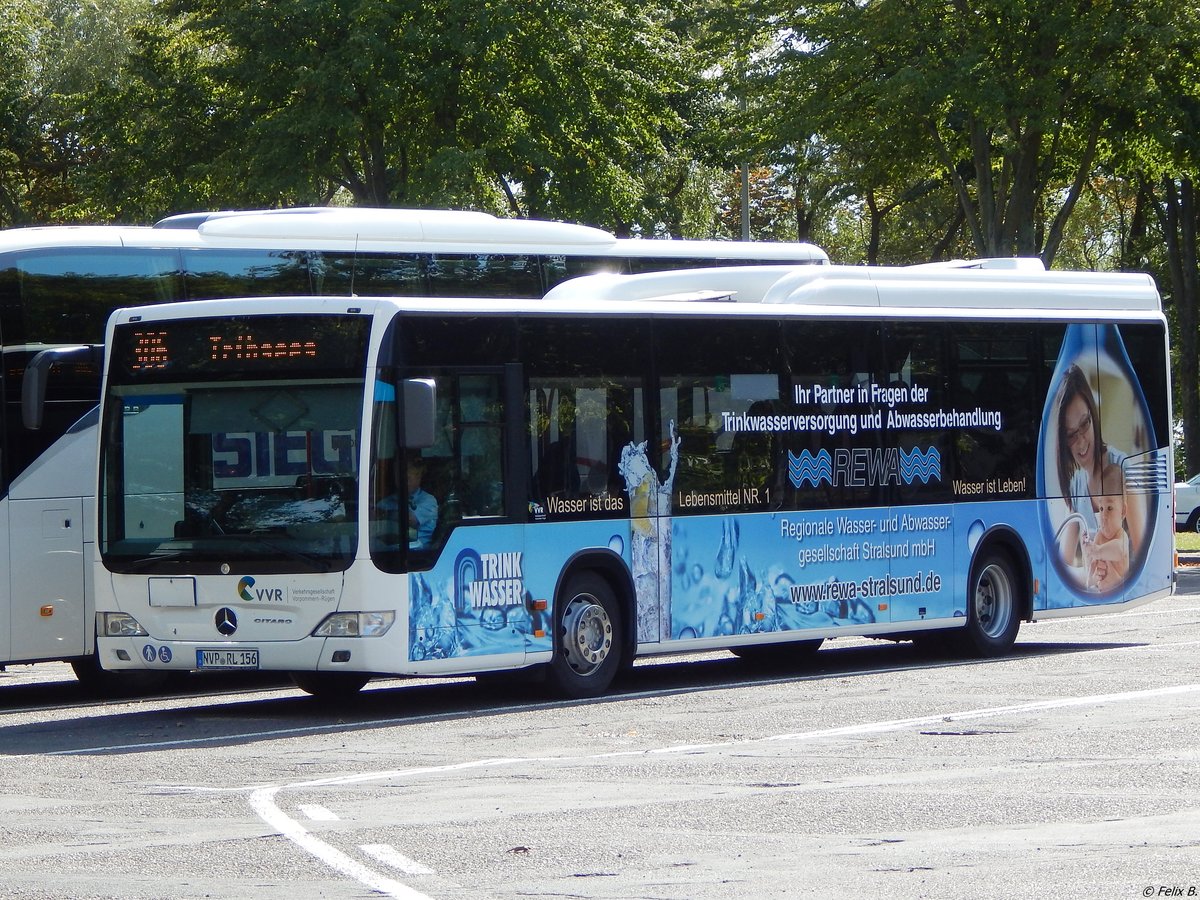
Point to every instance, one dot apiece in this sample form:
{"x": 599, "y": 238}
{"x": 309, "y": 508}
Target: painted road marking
{"x": 262, "y": 800}
{"x": 263, "y": 803}
{"x": 390, "y": 856}
{"x": 318, "y": 813}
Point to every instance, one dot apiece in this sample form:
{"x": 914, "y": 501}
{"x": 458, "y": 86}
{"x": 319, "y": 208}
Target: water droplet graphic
{"x": 974, "y": 533}
{"x": 492, "y": 618}
{"x": 728, "y": 550}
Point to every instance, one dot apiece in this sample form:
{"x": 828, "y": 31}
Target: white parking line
{"x": 262, "y": 800}
{"x": 263, "y": 803}
{"x": 390, "y": 856}
{"x": 318, "y": 813}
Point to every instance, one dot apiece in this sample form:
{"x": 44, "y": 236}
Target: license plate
{"x": 226, "y": 659}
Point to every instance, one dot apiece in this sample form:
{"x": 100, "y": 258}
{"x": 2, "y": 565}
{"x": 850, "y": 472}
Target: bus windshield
{"x": 260, "y": 471}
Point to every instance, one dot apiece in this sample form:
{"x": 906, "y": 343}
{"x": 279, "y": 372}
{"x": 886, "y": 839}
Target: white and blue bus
{"x": 58, "y": 286}
{"x": 754, "y": 460}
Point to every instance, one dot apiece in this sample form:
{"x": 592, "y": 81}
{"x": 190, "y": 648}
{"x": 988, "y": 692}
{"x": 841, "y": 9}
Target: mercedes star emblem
{"x": 226, "y": 620}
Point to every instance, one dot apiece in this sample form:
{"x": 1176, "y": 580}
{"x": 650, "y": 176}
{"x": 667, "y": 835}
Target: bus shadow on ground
{"x": 231, "y": 719}
{"x": 25, "y": 694}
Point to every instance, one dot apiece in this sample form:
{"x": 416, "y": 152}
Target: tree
{"x": 1162, "y": 157}
{"x": 1009, "y": 101}
{"x": 19, "y": 25}
{"x": 546, "y": 108}
{"x": 54, "y": 55}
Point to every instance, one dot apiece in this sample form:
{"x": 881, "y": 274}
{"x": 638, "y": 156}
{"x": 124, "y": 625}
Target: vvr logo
{"x": 262, "y": 595}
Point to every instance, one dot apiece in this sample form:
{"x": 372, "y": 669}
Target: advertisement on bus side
{"x": 1093, "y": 530}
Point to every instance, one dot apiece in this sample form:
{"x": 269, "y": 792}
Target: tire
{"x": 587, "y": 639}
{"x": 1193, "y": 522}
{"x": 330, "y": 685}
{"x": 993, "y": 607}
{"x": 778, "y": 656}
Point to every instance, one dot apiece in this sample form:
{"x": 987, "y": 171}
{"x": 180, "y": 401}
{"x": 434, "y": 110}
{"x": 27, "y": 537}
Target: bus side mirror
{"x": 37, "y": 373}
{"x": 420, "y": 413}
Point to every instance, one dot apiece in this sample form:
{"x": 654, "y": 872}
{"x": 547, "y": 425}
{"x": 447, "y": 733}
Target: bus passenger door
{"x": 461, "y": 517}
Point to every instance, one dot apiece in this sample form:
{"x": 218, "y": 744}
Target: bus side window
{"x": 993, "y": 369}
{"x": 62, "y": 297}
{"x": 585, "y": 400}
{"x": 577, "y": 430}
{"x": 557, "y": 269}
{"x": 361, "y": 275}
{"x": 462, "y": 473}
{"x": 478, "y": 458}
{"x": 245, "y": 273}
{"x": 712, "y": 383}
{"x": 915, "y": 368}
{"x": 484, "y": 275}
{"x": 552, "y": 437}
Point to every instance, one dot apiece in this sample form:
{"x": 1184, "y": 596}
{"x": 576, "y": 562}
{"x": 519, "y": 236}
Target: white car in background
{"x": 1187, "y": 504}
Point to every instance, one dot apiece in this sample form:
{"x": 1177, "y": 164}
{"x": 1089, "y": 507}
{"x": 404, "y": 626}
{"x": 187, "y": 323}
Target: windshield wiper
{"x": 145, "y": 562}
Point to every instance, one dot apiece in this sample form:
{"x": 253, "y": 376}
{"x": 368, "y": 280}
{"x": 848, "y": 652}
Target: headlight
{"x": 119, "y": 625}
{"x": 362, "y": 624}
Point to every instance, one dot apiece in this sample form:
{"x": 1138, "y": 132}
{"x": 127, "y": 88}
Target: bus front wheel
{"x": 993, "y": 607}
{"x": 587, "y": 651}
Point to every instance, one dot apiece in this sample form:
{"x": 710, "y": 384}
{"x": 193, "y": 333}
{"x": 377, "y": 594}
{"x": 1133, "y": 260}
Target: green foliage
{"x": 1006, "y": 103}
{"x": 1187, "y": 542}
{"x": 18, "y": 27}
{"x": 888, "y": 131}
{"x": 55, "y": 55}
{"x": 545, "y": 108}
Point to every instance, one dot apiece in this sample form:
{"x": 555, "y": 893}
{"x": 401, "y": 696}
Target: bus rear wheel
{"x": 587, "y": 651}
{"x": 993, "y": 607}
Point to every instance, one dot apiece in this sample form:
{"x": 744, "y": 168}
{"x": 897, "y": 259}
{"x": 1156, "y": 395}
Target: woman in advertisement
{"x": 1089, "y": 470}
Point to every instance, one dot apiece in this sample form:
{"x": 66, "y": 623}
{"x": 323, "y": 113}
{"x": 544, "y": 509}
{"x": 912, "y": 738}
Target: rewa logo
{"x": 243, "y": 589}
{"x": 862, "y": 467}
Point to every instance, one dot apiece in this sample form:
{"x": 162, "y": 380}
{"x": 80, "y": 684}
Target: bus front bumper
{"x": 310, "y": 654}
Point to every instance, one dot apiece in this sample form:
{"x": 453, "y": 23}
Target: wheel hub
{"x": 993, "y": 601}
{"x": 587, "y": 634}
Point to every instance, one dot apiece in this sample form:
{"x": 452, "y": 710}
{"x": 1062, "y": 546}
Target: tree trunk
{"x": 1178, "y": 214}
{"x": 876, "y": 229}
